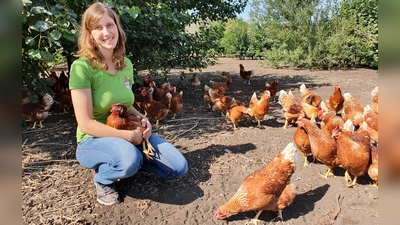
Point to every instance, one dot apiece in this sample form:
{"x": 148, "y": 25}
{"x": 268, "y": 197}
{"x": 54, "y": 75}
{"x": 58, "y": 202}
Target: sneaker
{"x": 107, "y": 194}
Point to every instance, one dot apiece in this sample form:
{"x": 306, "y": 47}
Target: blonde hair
{"x": 88, "y": 47}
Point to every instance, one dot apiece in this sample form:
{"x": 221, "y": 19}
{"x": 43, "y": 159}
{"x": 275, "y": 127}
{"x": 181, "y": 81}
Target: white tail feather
{"x": 290, "y": 152}
{"x": 349, "y": 126}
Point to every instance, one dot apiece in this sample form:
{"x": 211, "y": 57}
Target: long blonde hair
{"x": 88, "y": 47}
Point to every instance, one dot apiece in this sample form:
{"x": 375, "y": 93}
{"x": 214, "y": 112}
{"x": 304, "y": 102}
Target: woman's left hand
{"x": 146, "y": 123}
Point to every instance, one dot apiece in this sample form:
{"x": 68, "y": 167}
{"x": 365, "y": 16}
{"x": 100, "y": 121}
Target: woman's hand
{"x": 135, "y": 137}
{"x": 146, "y": 123}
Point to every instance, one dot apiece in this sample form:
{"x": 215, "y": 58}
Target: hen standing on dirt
{"x": 101, "y": 76}
{"x": 268, "y": 188}
{"x": 246, "y": 75}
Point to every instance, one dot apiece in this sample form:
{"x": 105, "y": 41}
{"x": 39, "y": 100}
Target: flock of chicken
{"x": 346, "y": 136}
{"x": 38, "y": 111}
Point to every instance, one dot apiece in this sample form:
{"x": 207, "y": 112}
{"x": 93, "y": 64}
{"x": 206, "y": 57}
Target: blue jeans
{"x": 114, "y": 158}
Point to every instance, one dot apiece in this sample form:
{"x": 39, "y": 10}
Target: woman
{"x": 101, "y": 76}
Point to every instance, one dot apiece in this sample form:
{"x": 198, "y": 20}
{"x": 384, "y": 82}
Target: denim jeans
{"x": 114, "y": 158}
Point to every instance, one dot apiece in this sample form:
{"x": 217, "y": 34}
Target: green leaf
{"x": 46, "y": 55}
{"x": 41, "y": 26}
{"x": 134, "y": 12}
{"x": 69, "y": 37}
{"x": 30, "y": 41}
{"x": 35, "y": 54}
{"x": 26, "y": 2}
{"x": 55, "y": 34}
{"x": 40, "y": 10}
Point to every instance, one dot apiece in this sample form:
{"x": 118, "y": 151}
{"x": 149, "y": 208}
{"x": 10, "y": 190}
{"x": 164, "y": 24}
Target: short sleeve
{"x": 79, "y": 77}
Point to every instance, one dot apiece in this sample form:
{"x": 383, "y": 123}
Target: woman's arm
{"x": 82, "y": 101}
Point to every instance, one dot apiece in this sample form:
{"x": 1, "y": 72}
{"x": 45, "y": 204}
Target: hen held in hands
{"x": 120, "y": 119}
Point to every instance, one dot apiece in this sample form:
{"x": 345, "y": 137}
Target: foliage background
{"x": 313, "y": 34}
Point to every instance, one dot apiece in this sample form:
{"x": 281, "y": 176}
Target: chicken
{"x": 156, "y": 109}
{"x": 258, "y": 108}
{"x": 302, "y": 141}
{"x": 310, "y": 110}
{"x": 53, "y": 82}
{"x": 176, "y": 103}
{"x": 335, "y": 102}
{"x": 159, "y": 92}
{"x": 64, "y": 100}
{"x": 374, "y": 94}
{"x": 147, "y": 81}
{"x": 120, "y": 119}
{"x": 323, "y": 147}
{"x": 373, "y": 134}
{"x": 25, "y": 98}
{"x": 352, "y": 109}
{"x": 370, "y": 117}
{"x": 37, "y": 112}
{"x": 235, "y": 113}
{"x": 223, "y": 103}
{"x": 269, "y": 188}
{"x": 272, "y": 88}
{"x": 195, "y": 82}
{"x": 226, "y": 85}
{"x": 291, "y": 106}
{"x": 373, "y": 167}
{"x": 246, "y": 75}
{"x": 309, "y": 97}
{"x": 64, "y": 81}
{"x": 329, "y": 120}
{"x": 224, "y": 76}
{"x": 353, "y": 150}
{"x": 215, "y": 93}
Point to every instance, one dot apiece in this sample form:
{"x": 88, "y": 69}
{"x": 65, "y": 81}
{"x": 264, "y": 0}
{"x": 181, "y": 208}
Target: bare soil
{"x": 56, "y": 189}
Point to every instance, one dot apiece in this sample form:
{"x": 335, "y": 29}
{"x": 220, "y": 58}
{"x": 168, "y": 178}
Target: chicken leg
{"x": 328, "y": 173}
{"x": 306, "y": 161}
{"x": 149, "y": 150}
{"x": 255, "y": 219}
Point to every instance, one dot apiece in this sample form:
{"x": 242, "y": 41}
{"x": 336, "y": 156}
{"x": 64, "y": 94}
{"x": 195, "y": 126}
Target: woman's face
{"x": 105, "y": 33}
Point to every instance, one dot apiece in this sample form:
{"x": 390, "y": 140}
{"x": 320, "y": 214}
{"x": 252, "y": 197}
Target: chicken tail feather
{"x": 290, "y": 152}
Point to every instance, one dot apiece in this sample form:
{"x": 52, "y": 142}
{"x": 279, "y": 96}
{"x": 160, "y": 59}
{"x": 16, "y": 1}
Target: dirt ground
{"x": 56, "y": 189}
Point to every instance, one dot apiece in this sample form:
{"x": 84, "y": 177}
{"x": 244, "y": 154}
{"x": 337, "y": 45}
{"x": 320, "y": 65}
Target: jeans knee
{"x": 130, "y": 165}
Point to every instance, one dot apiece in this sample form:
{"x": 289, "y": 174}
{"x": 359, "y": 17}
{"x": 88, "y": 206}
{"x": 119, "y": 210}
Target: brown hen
{"x": 37, "y": 112}
{"x": 246, "y": 75}
{"x": 323, "y": 147}
{"x": 336, "y": 100}
{"x": 268, "y": 188}
{"x": 156, "y": 109}
{"x": 272, "y": 88}
{"x": 353, "y": 150}
{"x": 120, "y": 119}
{"x": 258, "y": 108}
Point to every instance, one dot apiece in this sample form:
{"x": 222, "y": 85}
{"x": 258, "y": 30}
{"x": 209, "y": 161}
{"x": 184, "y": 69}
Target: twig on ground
{"x": 23, "y": 144}
{"x": 30, "y": 131}
{"x": 176, "y": 136}
{"x": 193, "y": 174}
{"x": 33, "y": 144}
{"x": 338, "y": 200}
{"x": 193, "y": 118}
{"x": 54, "y": 160}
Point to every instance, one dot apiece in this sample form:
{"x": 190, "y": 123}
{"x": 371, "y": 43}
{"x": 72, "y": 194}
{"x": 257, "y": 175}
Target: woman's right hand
{"x": 135, "y": 137}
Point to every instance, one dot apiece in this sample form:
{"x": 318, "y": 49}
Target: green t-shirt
{"x": 106, "y": 88}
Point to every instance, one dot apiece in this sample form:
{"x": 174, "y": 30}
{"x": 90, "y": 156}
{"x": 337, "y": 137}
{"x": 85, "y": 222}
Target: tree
{"x": 236, "y": 41}
{"x": 319, "y": 33}
{"x": 157, "y": 39}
